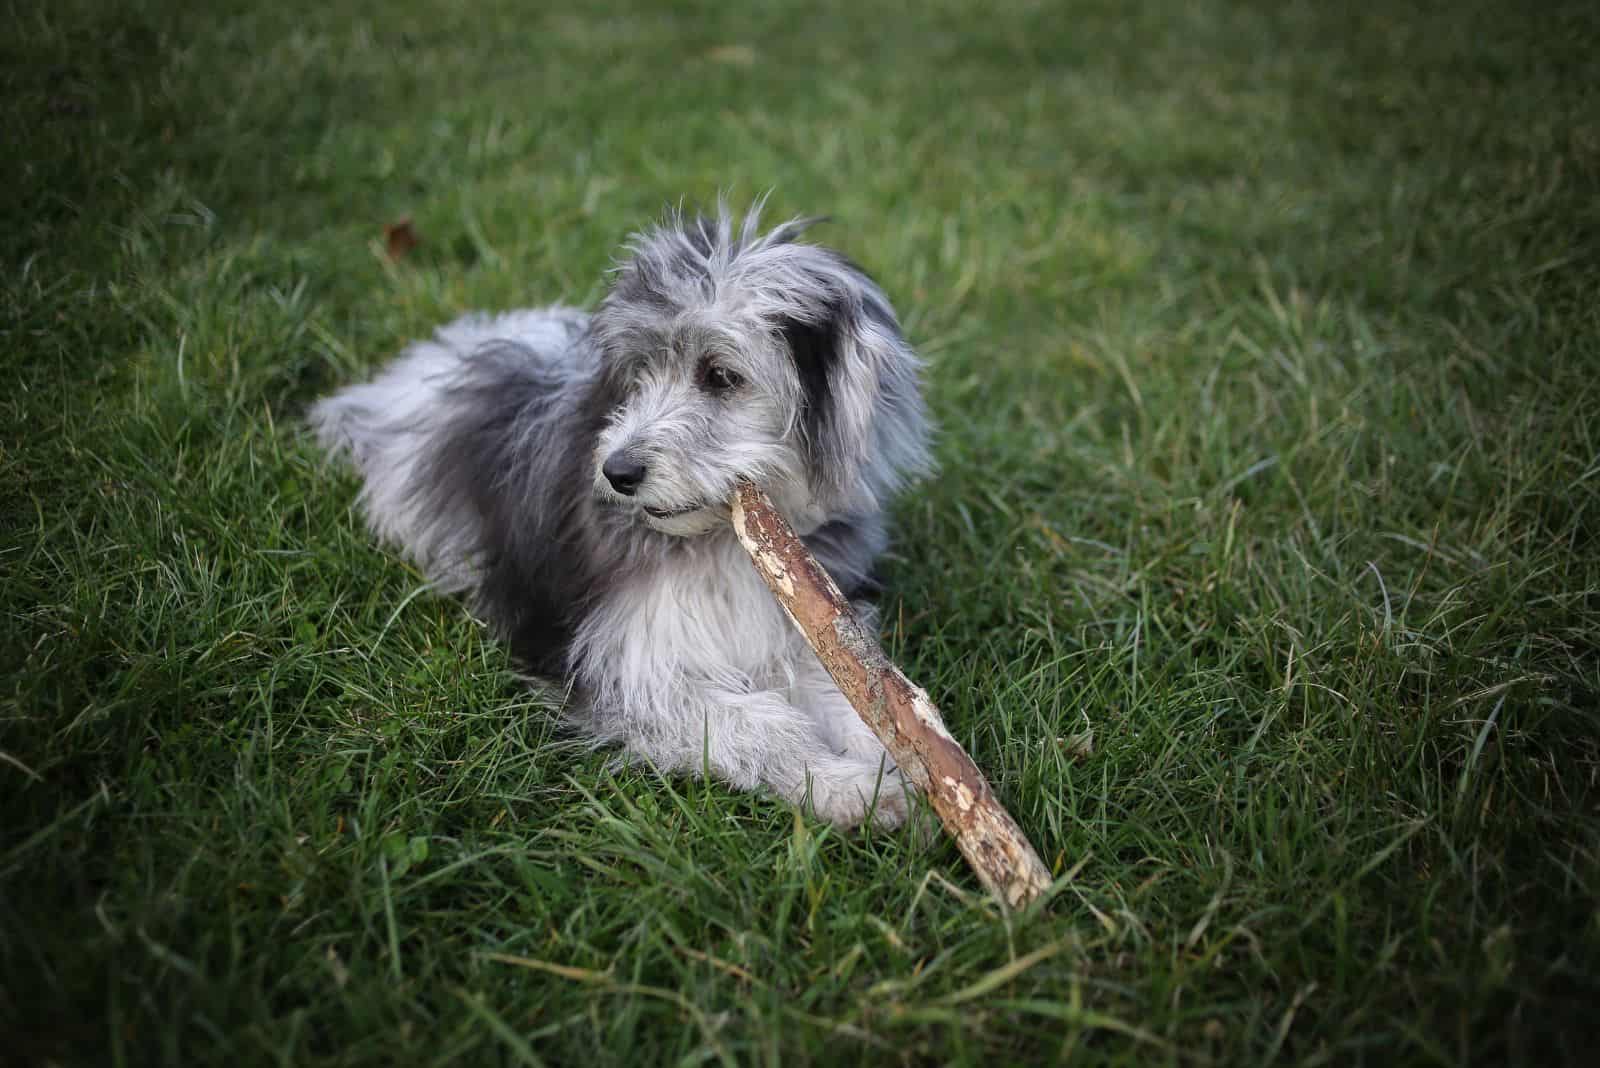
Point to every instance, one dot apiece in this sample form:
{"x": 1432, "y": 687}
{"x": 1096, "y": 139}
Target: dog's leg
{"x": 842, "y": 785}
{"x": 759, "y": 738}
{"x": 815, "y": 692}
{"x": 839, "y": 724}
{"x": 847, "y": 768}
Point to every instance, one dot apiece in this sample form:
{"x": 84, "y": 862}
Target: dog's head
{"x": 733, "y": 353}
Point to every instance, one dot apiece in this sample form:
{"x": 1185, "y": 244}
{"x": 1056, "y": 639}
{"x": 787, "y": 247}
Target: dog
{"x": 570, "y": 472}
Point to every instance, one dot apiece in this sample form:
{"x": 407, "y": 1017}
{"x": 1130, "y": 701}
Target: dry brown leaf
{"x": 399, "y": 238}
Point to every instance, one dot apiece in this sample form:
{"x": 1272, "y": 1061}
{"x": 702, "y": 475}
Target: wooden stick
{"x": 899, "y": 713}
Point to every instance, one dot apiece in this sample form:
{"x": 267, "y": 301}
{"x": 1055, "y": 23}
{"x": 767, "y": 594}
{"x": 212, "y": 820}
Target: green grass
{"x": 1261, "y": 575}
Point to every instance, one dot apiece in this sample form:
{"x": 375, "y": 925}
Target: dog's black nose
{"x": 623, "y": 472}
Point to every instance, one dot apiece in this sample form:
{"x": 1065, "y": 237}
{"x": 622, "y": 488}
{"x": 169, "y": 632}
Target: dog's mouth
{"x": 671, "y": 513}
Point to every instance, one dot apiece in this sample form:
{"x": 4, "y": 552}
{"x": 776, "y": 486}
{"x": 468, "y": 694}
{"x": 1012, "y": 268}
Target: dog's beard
{"x": 701, "y": 515}
{"x": 687, "y": 524}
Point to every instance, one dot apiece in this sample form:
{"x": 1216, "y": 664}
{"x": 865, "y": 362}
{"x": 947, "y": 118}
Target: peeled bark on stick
{"x": 899, "y": 713}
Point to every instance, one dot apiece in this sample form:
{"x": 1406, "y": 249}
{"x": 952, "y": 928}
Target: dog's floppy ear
{"x": 861, "y": 413}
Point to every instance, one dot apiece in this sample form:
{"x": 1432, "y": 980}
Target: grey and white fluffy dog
{"x": 571, "y": 473}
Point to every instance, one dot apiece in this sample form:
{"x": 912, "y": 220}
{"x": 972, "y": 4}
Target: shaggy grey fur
{"x": 571, "y": 473}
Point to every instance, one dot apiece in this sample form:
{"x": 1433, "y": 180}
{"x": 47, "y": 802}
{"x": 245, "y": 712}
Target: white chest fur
{"x": 701, "y": 616}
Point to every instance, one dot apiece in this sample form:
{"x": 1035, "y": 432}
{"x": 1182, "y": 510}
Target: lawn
{"x": 1260, "y": 574}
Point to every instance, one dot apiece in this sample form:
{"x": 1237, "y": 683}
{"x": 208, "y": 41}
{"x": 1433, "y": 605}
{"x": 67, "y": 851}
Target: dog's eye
{"x": 719, "y": 379}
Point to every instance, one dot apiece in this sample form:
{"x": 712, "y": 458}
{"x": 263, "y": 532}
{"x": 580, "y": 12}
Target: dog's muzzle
{"x": 671, "y": 513}
{"x": 624, "y": 472}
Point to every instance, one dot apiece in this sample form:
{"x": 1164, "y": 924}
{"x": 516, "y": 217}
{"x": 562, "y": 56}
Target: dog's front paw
{"x": 846, "y": 796}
